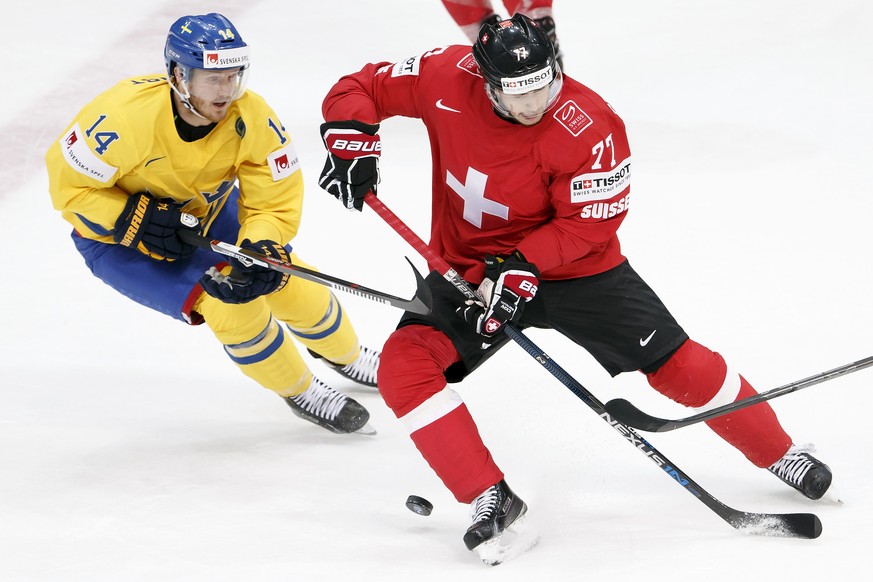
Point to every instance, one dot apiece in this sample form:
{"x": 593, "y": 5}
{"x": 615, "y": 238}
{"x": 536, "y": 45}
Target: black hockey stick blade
{"x": 789, "y": 525}
{"x": 420, "y": 303}
{"x": 631, "y": 415}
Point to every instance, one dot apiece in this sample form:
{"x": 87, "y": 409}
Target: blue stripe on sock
{"x": 325, "y": 333}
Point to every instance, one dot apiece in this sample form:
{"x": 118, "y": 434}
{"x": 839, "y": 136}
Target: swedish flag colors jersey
{"x": 125, "y": 141}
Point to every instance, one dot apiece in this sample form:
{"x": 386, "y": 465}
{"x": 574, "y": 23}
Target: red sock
{"x": 697, "y": 377}
{"x": 412, "y": 384}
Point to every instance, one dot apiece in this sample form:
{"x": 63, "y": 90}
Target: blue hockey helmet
{"x": 207, "y": 41}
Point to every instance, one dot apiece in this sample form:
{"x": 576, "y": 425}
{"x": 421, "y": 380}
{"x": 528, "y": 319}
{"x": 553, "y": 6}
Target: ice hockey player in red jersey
{"x": 470, "y": 15}
{"x": 531, "y": 180}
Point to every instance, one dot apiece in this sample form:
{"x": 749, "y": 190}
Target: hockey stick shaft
{"x": 633, "y": 416}
{"x": 434, "y": 260}
{"x": 420, "y": 303}
{"x": 801, "y": 525}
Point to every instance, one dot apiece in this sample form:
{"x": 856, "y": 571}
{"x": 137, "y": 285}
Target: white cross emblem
{"x": 473, "y": 194}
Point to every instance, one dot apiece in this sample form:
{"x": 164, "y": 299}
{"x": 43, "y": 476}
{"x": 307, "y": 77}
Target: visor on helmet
{"x": 219, "y": 67}
{"x": 532, "y": 95}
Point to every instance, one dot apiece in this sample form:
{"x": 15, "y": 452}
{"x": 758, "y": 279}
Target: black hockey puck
{"x": 419, "y": 505}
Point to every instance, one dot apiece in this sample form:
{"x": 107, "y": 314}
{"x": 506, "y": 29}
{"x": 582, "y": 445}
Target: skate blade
{"x": 515, "y": 540}
{"x": 831, "y": 497}
{"x": 366, "y": 430}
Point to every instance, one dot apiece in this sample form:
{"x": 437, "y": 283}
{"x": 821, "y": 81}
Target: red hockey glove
{"x": 149, "y": 225}
{"x": 352, "y": 166}
{"x": 509, "y": 283}
{"x": 246, "y": 283}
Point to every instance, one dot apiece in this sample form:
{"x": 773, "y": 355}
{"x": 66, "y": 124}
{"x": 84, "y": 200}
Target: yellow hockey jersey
{"x": 125, "y": 141}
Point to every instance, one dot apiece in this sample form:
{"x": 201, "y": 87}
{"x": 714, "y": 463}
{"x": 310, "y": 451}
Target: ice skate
{"x": 802, "y": 471}
{"x": 500, "y": 530}
{"x": 322, "y": 405}
{"x": 362, "y": 370}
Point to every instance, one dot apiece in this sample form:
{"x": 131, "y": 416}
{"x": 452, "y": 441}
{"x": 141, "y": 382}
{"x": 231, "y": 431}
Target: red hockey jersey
{"x": 556, "y": 191}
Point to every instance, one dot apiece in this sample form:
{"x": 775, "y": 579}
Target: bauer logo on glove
{"x": 352, "y": 166}
{"x": 349, "y": 149}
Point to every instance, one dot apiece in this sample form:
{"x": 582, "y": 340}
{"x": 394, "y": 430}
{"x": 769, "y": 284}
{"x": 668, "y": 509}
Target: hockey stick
{"x": 796, "y": 525}
{"x": 633, "y": 416}
{"x": 434, "y": 260}
{"x": 420, "y": 302}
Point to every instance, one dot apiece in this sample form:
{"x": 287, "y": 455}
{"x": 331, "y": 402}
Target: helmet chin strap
{"x": 184, "y": 97}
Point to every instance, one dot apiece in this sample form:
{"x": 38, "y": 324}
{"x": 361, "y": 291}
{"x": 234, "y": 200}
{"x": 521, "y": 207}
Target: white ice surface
{"x": 131, "y": 448}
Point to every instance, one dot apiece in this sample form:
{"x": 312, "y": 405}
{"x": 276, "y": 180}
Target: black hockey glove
{"x": 509, "y": 283}
{"x": 150, "y": 224}
{"x": 352, "y": 166}
{"x": 246, "y": 283}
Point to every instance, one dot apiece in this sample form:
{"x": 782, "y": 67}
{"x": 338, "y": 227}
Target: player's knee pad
{"x": 259, "y": 348}
{"x": 257, "y": 343}
{"x": 411, "y": 366}
{"x": 234, "y": 323}
{"x": 695, "y": 376}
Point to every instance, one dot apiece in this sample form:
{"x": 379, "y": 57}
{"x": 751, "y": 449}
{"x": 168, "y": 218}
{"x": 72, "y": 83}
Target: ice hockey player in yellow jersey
{"x": 150, "y": 153}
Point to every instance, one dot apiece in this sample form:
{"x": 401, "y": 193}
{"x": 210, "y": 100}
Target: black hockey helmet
{"x": 516, "y": 57}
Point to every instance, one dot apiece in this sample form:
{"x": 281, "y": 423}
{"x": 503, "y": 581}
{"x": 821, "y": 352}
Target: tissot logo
{"x": 601, "y": 185}
{"x": 408, "y": 67}
{"x": 530, "y": 82}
